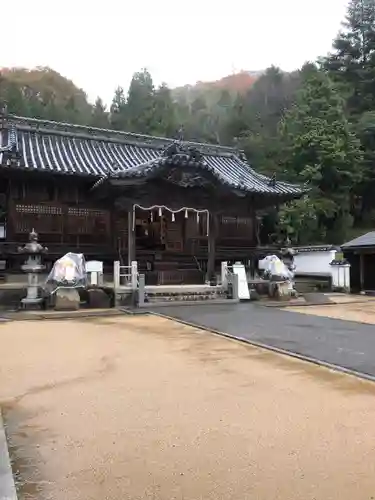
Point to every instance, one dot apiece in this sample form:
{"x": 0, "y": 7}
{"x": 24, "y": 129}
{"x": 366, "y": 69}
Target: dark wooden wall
{"x": 67, "y": 216}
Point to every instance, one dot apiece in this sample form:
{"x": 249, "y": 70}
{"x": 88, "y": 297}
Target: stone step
{"x": 307, "y": 286}
{"x": 185, "y": 296}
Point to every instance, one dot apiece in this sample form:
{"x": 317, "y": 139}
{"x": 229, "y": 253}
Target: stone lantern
{"x": 33, "y": 266}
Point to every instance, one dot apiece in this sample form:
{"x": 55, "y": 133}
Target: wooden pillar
{"x": 256, "y": 238}
{"x": 362, "y": 271}
{"x": 211, "y": 246}
{"x": 131, "y": 236}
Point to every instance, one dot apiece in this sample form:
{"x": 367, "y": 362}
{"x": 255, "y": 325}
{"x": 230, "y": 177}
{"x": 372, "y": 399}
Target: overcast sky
{"x": 99, "y": 45}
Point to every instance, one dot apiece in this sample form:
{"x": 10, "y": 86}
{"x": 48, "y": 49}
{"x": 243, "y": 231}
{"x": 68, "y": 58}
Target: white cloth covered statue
{"x": 273, "y": 266}
{"x": 68, "y": 271}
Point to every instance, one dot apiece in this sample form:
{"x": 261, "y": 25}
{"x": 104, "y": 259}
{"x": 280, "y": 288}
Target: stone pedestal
{"x": 33, "y": 296}
{"x": 280, "y": 290}
{"x": 66, "y": 299}
{"x": 98, "y": 299}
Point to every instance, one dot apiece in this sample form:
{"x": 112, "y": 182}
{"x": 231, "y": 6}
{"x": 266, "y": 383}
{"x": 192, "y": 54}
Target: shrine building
{"x": 179, "y": 208}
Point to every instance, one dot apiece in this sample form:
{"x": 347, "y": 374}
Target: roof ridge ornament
{"x": 4, "y": 109}
{"x": 272, "y": 181}
{"x": 178, "y": 151}
{"x": 242, "y": 156}
{"x": 180, "y": 133}
{"x": 12, "y": 145}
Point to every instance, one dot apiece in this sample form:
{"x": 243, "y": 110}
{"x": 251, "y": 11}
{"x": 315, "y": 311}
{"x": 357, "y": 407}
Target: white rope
{"x": 179, "y": 210}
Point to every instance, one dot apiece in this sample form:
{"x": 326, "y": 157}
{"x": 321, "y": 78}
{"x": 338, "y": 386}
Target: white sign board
{"x": 243, "y": 287}
{"x": 94, "y": 266}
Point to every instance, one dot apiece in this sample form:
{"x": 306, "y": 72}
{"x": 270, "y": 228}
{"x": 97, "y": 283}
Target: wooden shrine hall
{"x": 178, "y": 208}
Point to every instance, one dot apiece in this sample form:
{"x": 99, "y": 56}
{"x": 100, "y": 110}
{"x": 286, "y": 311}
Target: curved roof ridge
{"x": 87, "y": 130}
{"x": 61, "y": 151}
{"x": 265, "y": 178}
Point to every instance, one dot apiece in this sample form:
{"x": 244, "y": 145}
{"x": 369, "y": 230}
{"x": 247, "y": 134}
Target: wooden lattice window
{"x": 88, "y": 221}
{"x": 42, "y": 218}
{"x": 236, "y": 227}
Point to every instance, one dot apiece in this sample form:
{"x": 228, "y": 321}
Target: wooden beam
{"x": 131, "y": 237}
{"x": 362, "y": 271}
{"x": 211, "y": 246}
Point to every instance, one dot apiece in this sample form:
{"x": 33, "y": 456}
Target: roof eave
{"x": 358, "y": 247}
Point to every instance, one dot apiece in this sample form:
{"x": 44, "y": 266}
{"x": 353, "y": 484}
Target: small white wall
{"x": 341, "y": 277}
{"x": 314, "y": 262}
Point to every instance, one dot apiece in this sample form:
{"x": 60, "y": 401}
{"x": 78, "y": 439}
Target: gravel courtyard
{"x": 138, "y": 408}
{"x": 361, "y": 310}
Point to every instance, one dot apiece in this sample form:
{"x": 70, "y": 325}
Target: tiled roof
{"x": 76, "y": 150}
{"x": 366, "y": 240}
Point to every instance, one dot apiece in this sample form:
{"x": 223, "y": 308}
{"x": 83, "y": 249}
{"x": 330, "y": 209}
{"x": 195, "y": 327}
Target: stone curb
{"x": 23, "y": 316}
{"x": 277, "y": 350}
{"x": 307, "y": 304}
{"x": 7, "y": 486}
{"x": 177, "y": 303}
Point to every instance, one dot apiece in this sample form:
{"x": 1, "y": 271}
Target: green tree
{"x": 165, "y": 123}
{"x": 322, "y": 151}
{"x": 352, "y": 66}
{"x": 43, "y": 93}
{"x": 99, "y": 116}
{"x": 118, "y": 117}
{"x": 352, "y": 61}
{"x": 141, "y": 103}
{"x": 256, "y": 115}
{"x": 12, "y": 95}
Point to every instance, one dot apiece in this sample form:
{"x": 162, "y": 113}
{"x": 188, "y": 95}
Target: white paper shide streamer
{"x": 186, "y": 211}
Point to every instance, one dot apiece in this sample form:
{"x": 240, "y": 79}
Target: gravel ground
{"x": 144, "y": 408}
{"x": 363, "y": 312}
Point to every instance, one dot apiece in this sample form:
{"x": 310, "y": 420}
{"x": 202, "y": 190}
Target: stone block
{"x": 67, "y": 299}
{"x": 98, "y": 299}
{"x": 280, "y": 290}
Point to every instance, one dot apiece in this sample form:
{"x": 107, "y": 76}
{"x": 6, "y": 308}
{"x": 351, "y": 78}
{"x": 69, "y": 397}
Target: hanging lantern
{"x": 160, "y": 212}
{"x": 186, "y": 214}
{"x": 173, "y": 217}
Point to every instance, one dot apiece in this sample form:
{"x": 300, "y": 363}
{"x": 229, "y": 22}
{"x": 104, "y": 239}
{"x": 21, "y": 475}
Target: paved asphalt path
{"x": 345, "y": 344}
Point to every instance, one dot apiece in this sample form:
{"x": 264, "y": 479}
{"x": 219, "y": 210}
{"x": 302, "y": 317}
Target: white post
{"x": 134, "y": 273}
{"x": 346, "y": 270}
{"x": 224, "y": 275}
{"x": 116, "y": 274}
{"x": 235, "y": 286}
{"x": 131, "y": 236}
{"x": 341, "y": 277}
{"x": 141, "y": 290}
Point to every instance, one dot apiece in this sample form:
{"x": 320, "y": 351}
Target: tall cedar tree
{"x": 118, "y": 113}
{"x": 140, "y": 103}
{"x": 352, "y": 66}
{"x": 99, "y": 116}
{"x": 323, "y": 152}
{"x": 165, "y": 123}
{"x": 352, "y": 61}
